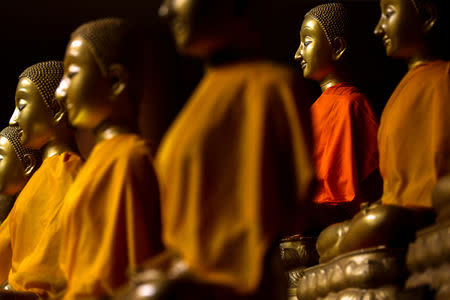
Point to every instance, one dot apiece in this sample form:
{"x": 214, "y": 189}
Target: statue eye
{"x": 306, "y": 43}
{"x": 389, "y": 12}
{"x": 20, "y": 107}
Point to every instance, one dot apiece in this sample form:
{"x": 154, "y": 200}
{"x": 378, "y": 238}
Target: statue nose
{"x": 14, "y": 117}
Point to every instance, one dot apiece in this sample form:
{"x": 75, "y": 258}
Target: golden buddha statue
{"x": 112, "y": 220}
{"x": 33, "y": 245}
{"x": 235, "y": 165}
{"x": 413, "y": 143}
{"x": 344, "y": 125}
{"x": 17, "y": 164}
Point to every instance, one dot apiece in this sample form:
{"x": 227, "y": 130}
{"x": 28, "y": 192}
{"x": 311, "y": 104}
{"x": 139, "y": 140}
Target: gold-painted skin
{"x": 403, "y": 30}
{"x": 319, "y": 59}
{"x": 40, "y": 128}
{"x": 13, "y": 177}
{"x": 202, "y": 29}
{"x": 94, "y": 100}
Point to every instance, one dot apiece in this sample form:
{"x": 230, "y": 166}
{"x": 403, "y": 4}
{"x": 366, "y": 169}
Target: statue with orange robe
{"x": 33, "y": 223}
{"x": 17, "y": 164}
{"x": 344, "y": 125}
{"x": 413, "y": 139}
{"x": 111, "y": 222}
{"x": 235, "y": 165}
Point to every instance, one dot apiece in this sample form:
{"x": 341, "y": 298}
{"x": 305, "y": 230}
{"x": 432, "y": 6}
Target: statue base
{"x": 428, "y": 259}
{"x": 375, "y": 273}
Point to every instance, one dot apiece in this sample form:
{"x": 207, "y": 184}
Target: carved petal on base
{"x": 363, "y": 269}
{"x": 434, "y": 277}
{"x": 431, "y": 248}
{"x": 382, "y": 293}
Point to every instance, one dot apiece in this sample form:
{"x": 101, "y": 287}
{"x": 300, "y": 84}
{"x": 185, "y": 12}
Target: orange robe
{"x": 234, "y": 167}
{"x": 35, "y": 230}
{"x": 345, "y": 143}
{"x": 414, "y": 135}
{"x": 111, "y": 218}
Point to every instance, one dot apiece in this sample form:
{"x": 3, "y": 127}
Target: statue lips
{"x": 303, "y": 63}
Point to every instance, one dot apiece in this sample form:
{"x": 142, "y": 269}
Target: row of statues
{"x": 246, "y": 164}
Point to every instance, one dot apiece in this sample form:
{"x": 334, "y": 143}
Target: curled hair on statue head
{"x": 114, "y": 41}
{"x": 333, "y": 19}
{"x": 25, "y": 155}
{"x": 46, "y": 76}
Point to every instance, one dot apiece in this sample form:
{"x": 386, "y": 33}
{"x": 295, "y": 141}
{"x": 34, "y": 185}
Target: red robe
{"x": 345, "y": 136}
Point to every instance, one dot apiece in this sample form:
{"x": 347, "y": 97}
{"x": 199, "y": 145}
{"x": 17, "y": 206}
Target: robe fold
{"x": 414, "y": 135}
{"x": 35, "y": 230}
{"x": 111, "y": 218}
{"x": 234, "y": 167}
{"x": 345, "y": 143}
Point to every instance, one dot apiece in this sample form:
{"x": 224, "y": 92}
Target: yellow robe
{"x": 234, "y": 168}
{"x": 414, "y": 135}
{"x": 111, "y": 218}
{"x": 34, "y": 228}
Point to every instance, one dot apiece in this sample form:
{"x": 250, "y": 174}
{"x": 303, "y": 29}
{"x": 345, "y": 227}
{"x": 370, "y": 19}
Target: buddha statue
{"x": 413, "y": 140}
{"x": 112, "y": 221}
{"x": 235, "y": 165}
{"x": 17, "y": 164}
{"x": 33, "y": 245}
{"x": 344, "y": 125}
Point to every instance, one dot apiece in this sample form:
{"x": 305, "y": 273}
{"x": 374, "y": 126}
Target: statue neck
{"x": 107, "y": 131}
{"x": 422, "y": 56}
{"x": 56, "y": 147}
{"x": 331, "y": 80}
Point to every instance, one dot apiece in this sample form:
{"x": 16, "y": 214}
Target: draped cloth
{"x": 414, "y": 135}
{"x": 32, "y": 250}
{"x": 345, "y": 143}
{"x": 234, "y": 167}
{"x": 111, "y": 218}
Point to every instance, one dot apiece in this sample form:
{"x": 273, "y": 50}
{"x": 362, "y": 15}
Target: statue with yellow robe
{"x": 18, "y": 163}
{"x": 33, "y": 223}
{"x": 235, "y": 165}
{"x": 111, "y": 222}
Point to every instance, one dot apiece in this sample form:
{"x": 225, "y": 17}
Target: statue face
{"x": 32, "y": 115}
{"x": 83, "y": 88}
{"x": 315, "y": 52}
{"x": 12, "y": 176}
{"x": 199, "y": 27}
{"x": 180, "y": 14}
{"x": 400, "y": 28}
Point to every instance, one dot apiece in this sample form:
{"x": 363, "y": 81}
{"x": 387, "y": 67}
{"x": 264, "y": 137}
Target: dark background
{"x": 34, "y": 31}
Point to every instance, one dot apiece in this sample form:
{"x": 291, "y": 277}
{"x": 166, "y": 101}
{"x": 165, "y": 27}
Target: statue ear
{"x": 119, "y": 77}
{"x": 339, "y": 47}
{"x": 29, "y": 164}
{"x": 431, "y": 16}
{"x": 59, "y": 111}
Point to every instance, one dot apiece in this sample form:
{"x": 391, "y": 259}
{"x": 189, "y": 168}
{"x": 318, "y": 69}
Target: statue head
{"x": 323, "y": 40}
{"x": 203, "y": 27}
{"x": 17, "y": 163}
{"x": 102, "y": 74}
{"x": 37, "y": 114}
{"x": 408, "y": 26}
